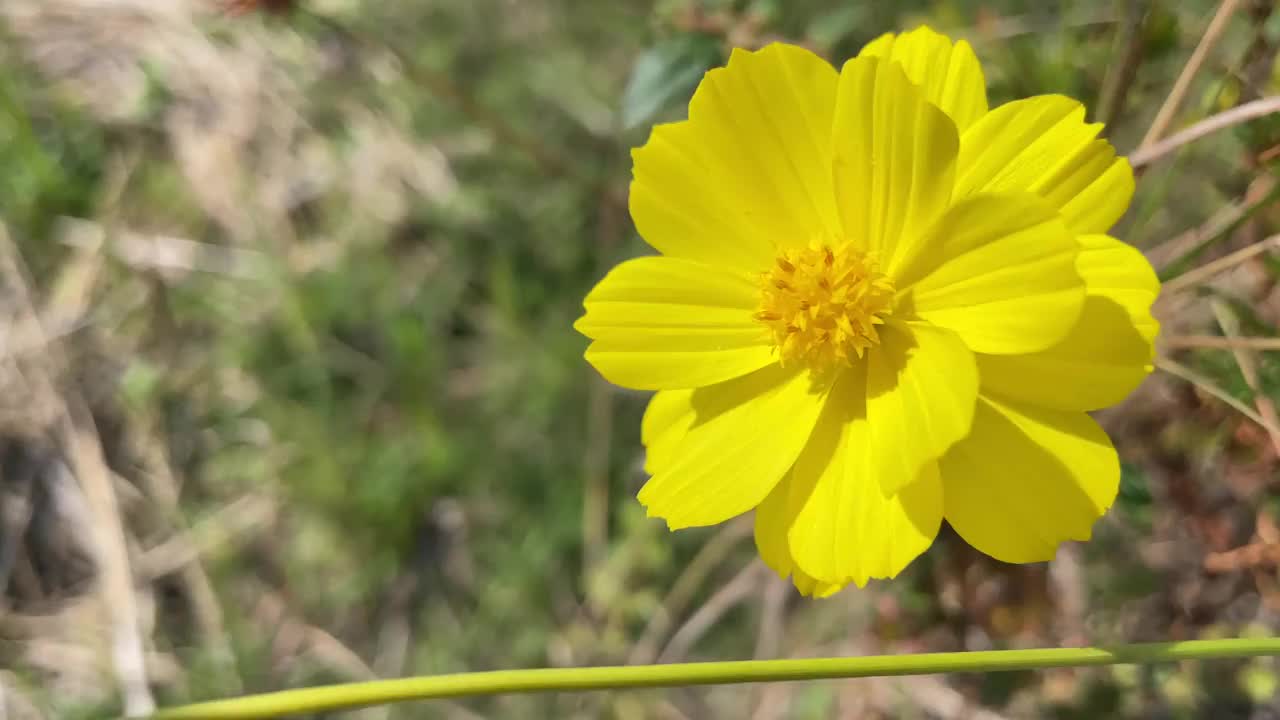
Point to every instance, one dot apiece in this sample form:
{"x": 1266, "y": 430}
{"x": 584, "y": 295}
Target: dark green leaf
{"x": 833, "y": 26}
{"x": 1134, "y": 492}
{"x": 666, "y": 74}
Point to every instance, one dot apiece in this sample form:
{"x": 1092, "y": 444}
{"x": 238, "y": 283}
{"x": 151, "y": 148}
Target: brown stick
{"x": 1149, "y": 153}
{"x": 1248, "y": 363}
{"x": 742, "y": 586}
{"x": 1242, "y": 558}
{"x": 1181, "y": 371}
{"x": 1221, "y": 343}
{"x": 682, "y": 591}
{"x": 1120, "y": 75}
{"x": 1212, "y": 34}
{"x": 1260, "y": 193}
{"x": 1208, "y": 270}
{"x": 79, "y": 438}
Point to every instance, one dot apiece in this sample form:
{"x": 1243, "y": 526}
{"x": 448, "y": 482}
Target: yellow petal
{"x": 666, "y": 419}
{"x": 1109, "y": 351}
{"x": 921, "y": 386}
{"x": 894, "y": 159}
{"x": 661, "y": 323}
{"x": 1122, "y": 273}
{"x": 773, "y": 519}
{"x": 840, "y": 527}
{"x": 1003, "y": 275}
{"x": 1043, "y": 146}
{"x": 810, "y": 587}
{"x": 745, "y": 435}
{"x": 750, "y": 168}
{"x": 948, "y": 73}
{"x": 1027, "y": 479}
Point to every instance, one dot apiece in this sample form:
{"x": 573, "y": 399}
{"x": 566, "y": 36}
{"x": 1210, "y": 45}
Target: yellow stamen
{"x": 823, "y": 304}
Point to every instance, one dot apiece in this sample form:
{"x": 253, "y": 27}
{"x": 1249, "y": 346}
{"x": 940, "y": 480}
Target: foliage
{"x": 398, "y": 208}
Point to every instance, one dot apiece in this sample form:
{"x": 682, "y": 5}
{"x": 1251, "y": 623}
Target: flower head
{"x": 878, "y": 303}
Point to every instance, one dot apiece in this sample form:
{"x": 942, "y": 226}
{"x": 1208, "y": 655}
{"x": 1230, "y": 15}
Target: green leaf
{"x": 1134, "y": 491}
{"x": 667, "y": 73}
{"x": 830, "y": 28}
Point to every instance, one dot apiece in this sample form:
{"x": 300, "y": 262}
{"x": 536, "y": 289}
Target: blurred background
{"x": 289, "y": 392}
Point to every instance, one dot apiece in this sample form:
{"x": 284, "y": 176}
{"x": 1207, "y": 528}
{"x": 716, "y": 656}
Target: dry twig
{"x": 1243, "y": 558}
{"x": 1147, "y": 154}
{"x": 1128, "y": 46}
{"x": 1181, "y": 371}
{"x": 1183, "y": 342}
{"x": 742, "y": 586}
{"x": 1208, "y": 270}
{"x": 599, "y": 431}
{"x": 1230, "y": 325}
{"x": 234, "y": 522}
{"x": 773, "y": 603}
{"x": 1212, "y": 34}
{"x": 1262, "y": 191}
{"x": 78, "y": 436}
{"x": 682, "y": 591}
{"x": 768, "y": 704}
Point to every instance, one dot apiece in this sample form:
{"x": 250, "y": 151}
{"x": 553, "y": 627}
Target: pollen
{"x": 823, "y": 305}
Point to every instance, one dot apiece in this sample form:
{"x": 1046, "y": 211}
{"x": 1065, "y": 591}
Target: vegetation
{"x": 306, "y": 281}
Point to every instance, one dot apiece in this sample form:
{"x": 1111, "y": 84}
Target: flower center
{"x": 823, "y": 305}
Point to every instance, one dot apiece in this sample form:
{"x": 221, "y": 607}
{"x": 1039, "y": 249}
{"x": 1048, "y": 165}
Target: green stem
{"x": 338, "y": 697}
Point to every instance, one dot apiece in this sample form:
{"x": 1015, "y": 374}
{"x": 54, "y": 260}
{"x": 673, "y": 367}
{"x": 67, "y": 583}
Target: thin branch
{"x": 1013, "y": 26}
{"x": 595, "y": 477}
{"x": 684, "y": 588}
{"x": 1243, "y": 558}
{"x": 76, "y": 432}
{"x": 743, "y": 585}
{"x": 1215, "y": 342}
{"x": 772, "y": 606}
{"x": 1128, "y": 46}
{"x": 1212, "y": 34}
{"x": 1185, "y": 373}
{"x": 1171, "y": 256}
{"x": 1248, "y": 363}
{"x": 163, "y": 486}
{"x": 235, "y": 522}
{"x": 1208, "y": 270}
{"x": 1147, "y": 154}
{"x": 599, "y": 430}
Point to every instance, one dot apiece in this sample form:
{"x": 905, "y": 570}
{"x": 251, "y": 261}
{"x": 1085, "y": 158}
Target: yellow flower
{"x": 878, "y": 304}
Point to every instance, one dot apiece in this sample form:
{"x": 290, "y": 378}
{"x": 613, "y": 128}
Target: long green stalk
{"x": 337, "y": 697}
